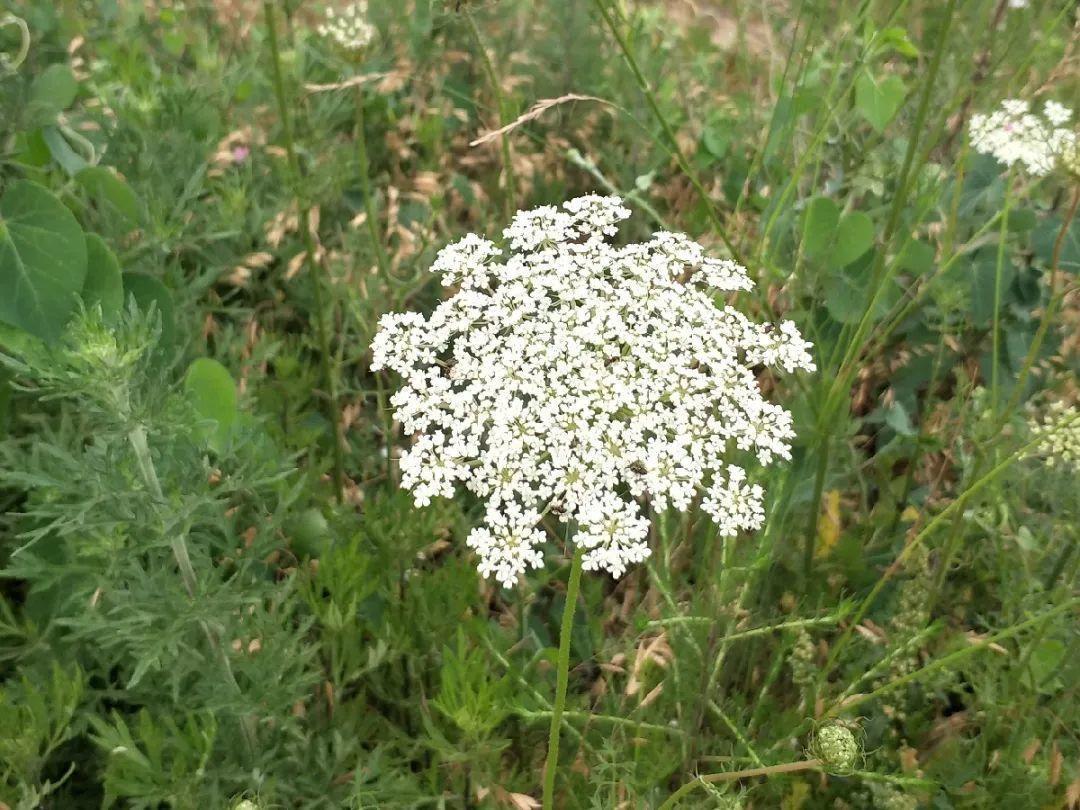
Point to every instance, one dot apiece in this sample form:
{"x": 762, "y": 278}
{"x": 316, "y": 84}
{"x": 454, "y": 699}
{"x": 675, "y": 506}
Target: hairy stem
{"x": 731, "y": 776}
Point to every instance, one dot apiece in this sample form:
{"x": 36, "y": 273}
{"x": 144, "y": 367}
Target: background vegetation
{"x": 213, "y": 591}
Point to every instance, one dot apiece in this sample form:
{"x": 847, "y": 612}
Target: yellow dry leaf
{"x": 828, "y": 527}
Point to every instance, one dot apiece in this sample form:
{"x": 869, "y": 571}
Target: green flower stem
{"x": 995, "y": 349}
{"x": 1051, "y": 305}
{"x": 562, "y": 675}
{"x": 731, "y": 776}
{"x": 610, "y": 719}
{"x": 364, "y": 168}
{"x": 314, "y": 270}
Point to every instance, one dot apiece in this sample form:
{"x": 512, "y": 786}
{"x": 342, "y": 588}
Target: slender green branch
{"x": 562, "y": 676}
{"x": 1051, "y": 305}
{"x": 13, "y": 63}
{"x": 364, "y": 170}
{"x": 314, "y": 269}
{"x": 954, "y": 657}
{"x": 731, "y": 776}
{"x": 995, "y": 349}
{"x": 669, "y": 134}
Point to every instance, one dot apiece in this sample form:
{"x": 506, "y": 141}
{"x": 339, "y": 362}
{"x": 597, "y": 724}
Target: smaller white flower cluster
{"x": 572, "y": 378}
{"x": 1059, "y": 434}
{"x": 1015, "y": 134}
{"x": 349, "y": 27}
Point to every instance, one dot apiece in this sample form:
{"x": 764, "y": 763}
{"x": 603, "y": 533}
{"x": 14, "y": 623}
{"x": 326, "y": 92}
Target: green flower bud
{"x": 835, "y": 745}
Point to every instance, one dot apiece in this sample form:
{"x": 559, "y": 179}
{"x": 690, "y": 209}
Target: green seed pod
{"x": 835, "y": 745}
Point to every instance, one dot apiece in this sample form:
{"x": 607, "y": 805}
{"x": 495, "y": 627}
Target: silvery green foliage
{"x": 573, "y": 377}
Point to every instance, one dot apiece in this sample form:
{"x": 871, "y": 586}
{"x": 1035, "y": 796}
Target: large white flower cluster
{"x": 1014, "y": 134}
{"x": 572, "y": 378}
{"x": 349, "y": 27}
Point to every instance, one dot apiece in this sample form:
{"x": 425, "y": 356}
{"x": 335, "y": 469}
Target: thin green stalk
{"x": 995, "y": 349}
{"x": 585, "y": 717}
{"x": 562, "y": 676}
{"x": 178, "y": 544}
{"x": 314, "y": 270}
{"x": 946, "y": 513}
{"x": 879, "y": 279}
{"x": 810, "y": 542}
{"x": 496, "y": 90}
{"x": 364, "y": 169}
{"x": 731, "y": 776}
{"x": 1051, "y": 305}
{"x": 13, "y": 63}
{"x": 949, "y": 660}
{"x": 669, "y": 133}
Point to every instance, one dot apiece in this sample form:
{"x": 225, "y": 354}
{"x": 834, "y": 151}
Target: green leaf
{"x": 110, "y": 191}
{"x": 42, "y": 260}
{"x": 70, "y": 160}
{"x": 819, "y": 225}
{"x": 717, "y": 138}
{"x": 1046, "y": 234}
{"x": 147, "y": 290}
{"x": 854, "y": 236}
{"x": 1045, "y": 661}
{"x": 211, "y": 389}
{"x": 916, "y": 256}
{"x": 52, "y": 92}
{"x": 897, "y": 39}
{"x": 104, "y": 285}
{"x": 897, "y": 417}
{"x": 847, "y": 293}
{"x": 878, "y": 102}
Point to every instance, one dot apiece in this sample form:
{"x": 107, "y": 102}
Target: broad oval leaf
{"x": 212, "y": 392}
{"x": 819, "y": 225}
{"x": 42, "y": 260}
{"x": 52, "y": 92}
{"x": 879, "y": 101}
{"x": 854, "y": 236}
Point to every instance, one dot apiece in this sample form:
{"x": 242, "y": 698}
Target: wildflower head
{"x": 835, "y": 745}
{"x": 348, "y": 28}
{"x": 1038, "y": 141}
{"x": 1059, "y": 436}
{"x": 569, "y": 377}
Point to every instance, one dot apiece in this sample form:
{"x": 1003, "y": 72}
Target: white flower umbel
{"x": 572, "y": 377}
{"x": 348, "y": 28}
{"x": 1014, "y": 134}
{"x": 1059, "y": 434}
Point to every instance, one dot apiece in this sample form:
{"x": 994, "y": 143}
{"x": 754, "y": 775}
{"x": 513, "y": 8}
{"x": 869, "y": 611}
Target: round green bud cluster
{"x": 835, "y": 745}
